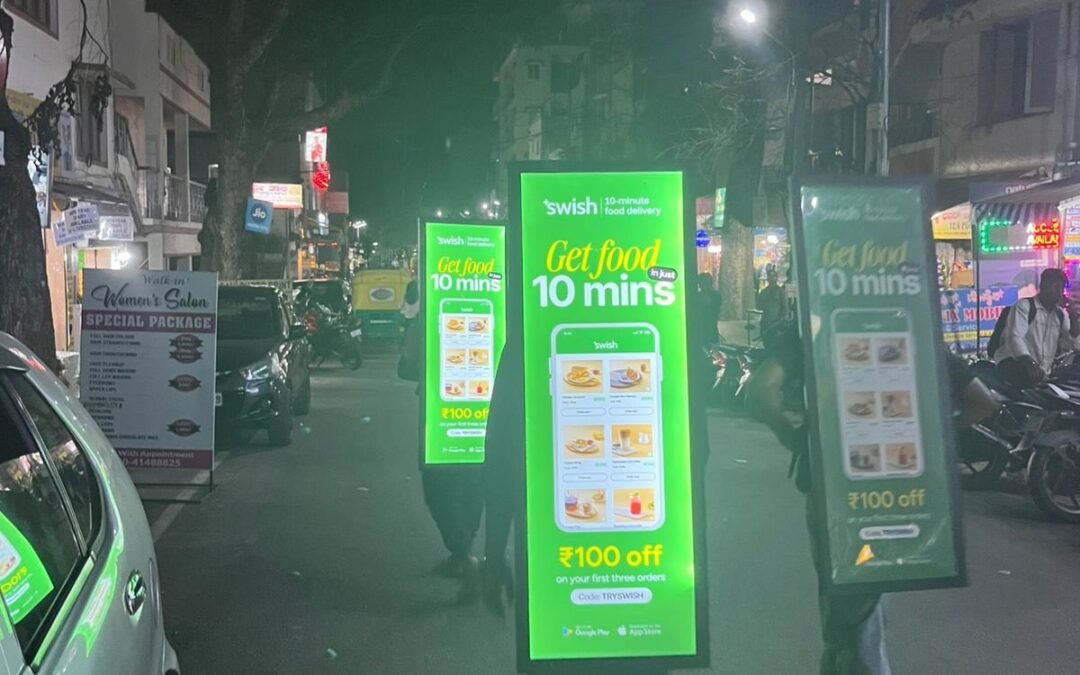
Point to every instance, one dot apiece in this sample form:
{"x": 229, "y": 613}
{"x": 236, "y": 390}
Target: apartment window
{"x": 532, "y": 68}
{"x": 91, "y": 146}
{"x": 38, "y": 12}
{"x": 534, "y": 147}
{"x": 1018, "y": 68}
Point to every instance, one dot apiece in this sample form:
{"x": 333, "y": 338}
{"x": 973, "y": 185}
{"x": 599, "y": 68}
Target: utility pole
{"x": 885, "y": 8}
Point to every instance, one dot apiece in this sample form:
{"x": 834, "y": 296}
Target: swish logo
{"x": 574, "y": 207}
{"x": 451, "y": 241}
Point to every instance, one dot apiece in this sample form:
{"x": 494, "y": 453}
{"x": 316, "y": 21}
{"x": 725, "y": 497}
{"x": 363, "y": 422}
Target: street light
{"x": 439, "y": 213}
{"x": 748, "y": 15}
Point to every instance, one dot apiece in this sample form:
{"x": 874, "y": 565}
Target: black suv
{"x": 262, "y": 363}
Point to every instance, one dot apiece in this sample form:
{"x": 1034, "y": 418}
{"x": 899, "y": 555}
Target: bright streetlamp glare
{"x": 748, "y": 15}
{"x": 439, "y": 213}
{"x": 484, "y": 206}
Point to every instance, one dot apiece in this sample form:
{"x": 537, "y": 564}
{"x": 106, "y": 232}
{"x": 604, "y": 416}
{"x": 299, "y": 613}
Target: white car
{"x": 78, "y": 573}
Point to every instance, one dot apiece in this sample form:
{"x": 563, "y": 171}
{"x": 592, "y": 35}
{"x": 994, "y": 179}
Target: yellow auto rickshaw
{"x": 377, "y": 296}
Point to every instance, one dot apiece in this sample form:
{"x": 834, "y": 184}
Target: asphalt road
{"x": 315, "y": 558}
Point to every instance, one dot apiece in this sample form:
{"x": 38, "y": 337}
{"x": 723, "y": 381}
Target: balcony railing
{"x": 175, "y": 198}
{"x": 198, "y": 201}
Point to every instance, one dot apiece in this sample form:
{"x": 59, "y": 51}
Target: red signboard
{"x": 1046, "y": 235}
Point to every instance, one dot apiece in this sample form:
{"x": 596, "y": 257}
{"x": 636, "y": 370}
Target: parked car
{"x": 262, "y": 363}
{"x": 78, "y": 573}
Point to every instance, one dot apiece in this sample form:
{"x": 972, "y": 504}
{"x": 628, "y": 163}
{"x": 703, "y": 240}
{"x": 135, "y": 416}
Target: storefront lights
{"x": 1041, "y": 235}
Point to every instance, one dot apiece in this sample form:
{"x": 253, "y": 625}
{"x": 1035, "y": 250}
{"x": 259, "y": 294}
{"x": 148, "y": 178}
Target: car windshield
{"x": 246, "y": 317}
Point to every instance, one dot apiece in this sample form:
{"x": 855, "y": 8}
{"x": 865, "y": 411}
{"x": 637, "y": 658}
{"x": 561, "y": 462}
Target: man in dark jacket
{"x": 452, "y": 494}
{"x": 852, "y": 627}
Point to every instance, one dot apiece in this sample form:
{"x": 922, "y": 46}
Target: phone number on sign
{"x": 151, "y": 463}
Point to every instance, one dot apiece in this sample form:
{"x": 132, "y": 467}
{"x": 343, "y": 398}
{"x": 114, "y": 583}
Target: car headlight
{"x": 262, "y": 370}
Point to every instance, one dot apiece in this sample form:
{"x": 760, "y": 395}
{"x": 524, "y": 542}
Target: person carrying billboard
{"x": 453, "y": 497}
{"x": 852, "y": 626}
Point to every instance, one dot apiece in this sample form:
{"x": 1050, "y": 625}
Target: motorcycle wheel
{"x": 980, "y": 468}
{"x": 1054, "y": 482}
{"x": 348, "y": 350}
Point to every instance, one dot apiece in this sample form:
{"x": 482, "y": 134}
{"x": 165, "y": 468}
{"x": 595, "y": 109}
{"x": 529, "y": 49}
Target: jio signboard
{"x": 884, "y": 476}
{"x": 463, "y": 268}
{"x": 612, "y": 549}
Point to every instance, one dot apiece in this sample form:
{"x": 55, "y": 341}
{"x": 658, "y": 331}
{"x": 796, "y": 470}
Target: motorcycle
{"x": 332, "y": 334}
{"x": 733, "y": 364}
{"x": 1035, "y": 433}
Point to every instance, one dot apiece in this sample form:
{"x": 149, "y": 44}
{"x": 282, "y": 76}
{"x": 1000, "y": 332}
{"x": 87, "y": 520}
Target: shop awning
{"x": 1033, "y": 205}
{"x": 953, "y": 223}
{"x": 110, "y": 202}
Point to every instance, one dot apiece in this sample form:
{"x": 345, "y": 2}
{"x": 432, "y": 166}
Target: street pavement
{"x": 315, "y": 558}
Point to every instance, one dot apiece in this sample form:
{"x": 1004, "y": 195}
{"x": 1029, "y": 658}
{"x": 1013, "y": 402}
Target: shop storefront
{"x": 771, "y": 250}
{"x": 1014, "y": 237}
{"x": 952, "y": 244}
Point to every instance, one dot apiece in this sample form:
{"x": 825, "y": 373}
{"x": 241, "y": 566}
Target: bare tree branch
{"x": 348, "y": 101}
{"x": 267, "y": 34}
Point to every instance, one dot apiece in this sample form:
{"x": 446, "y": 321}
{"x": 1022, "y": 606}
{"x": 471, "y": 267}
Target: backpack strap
{"x": 1033, "y": 310}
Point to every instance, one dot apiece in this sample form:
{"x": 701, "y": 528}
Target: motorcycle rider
{"x": 1037, "y": 330}
{"x": 852, "y": 626}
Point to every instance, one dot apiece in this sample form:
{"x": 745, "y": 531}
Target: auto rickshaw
{"x": 376, "y": 300}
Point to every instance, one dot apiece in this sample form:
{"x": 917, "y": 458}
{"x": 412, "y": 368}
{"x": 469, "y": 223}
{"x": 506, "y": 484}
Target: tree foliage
{"x": 277, "y": 69}
{"x": 25, "y": 303}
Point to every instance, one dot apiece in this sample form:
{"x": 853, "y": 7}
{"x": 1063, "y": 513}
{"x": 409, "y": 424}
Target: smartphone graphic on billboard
{"x": 608, "y": 440}
{"x": 875, "y": 376}
{"x": 466, "y": 350}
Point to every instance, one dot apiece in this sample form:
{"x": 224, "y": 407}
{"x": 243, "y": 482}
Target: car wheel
{"x": 280, "y": 429}
{"x": 302, "y": 406}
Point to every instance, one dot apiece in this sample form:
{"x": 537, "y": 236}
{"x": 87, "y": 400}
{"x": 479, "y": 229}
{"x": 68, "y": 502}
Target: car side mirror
{"x": 297, "y": 331}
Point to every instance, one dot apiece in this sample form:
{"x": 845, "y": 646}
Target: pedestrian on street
{"x": 1036, "y": 331}
{"x": 771, "y": 300}
{"x": 410, "y": 305}
{"x": 452, "y": 493}
{"x": 709, "y": 302}
{"x": 852, "y": 626}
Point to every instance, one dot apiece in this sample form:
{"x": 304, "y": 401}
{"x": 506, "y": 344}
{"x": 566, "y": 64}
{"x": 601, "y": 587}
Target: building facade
{"x": 573, "y": 96}
{"x": 130, "y": 159}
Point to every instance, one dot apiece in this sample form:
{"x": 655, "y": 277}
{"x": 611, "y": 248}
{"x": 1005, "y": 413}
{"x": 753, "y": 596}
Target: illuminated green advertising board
{"x": 609, "y": 554}
{"x": 463, "y": 268}
{"x": 24, "y": 582}
{"x": 884, "y": 482}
